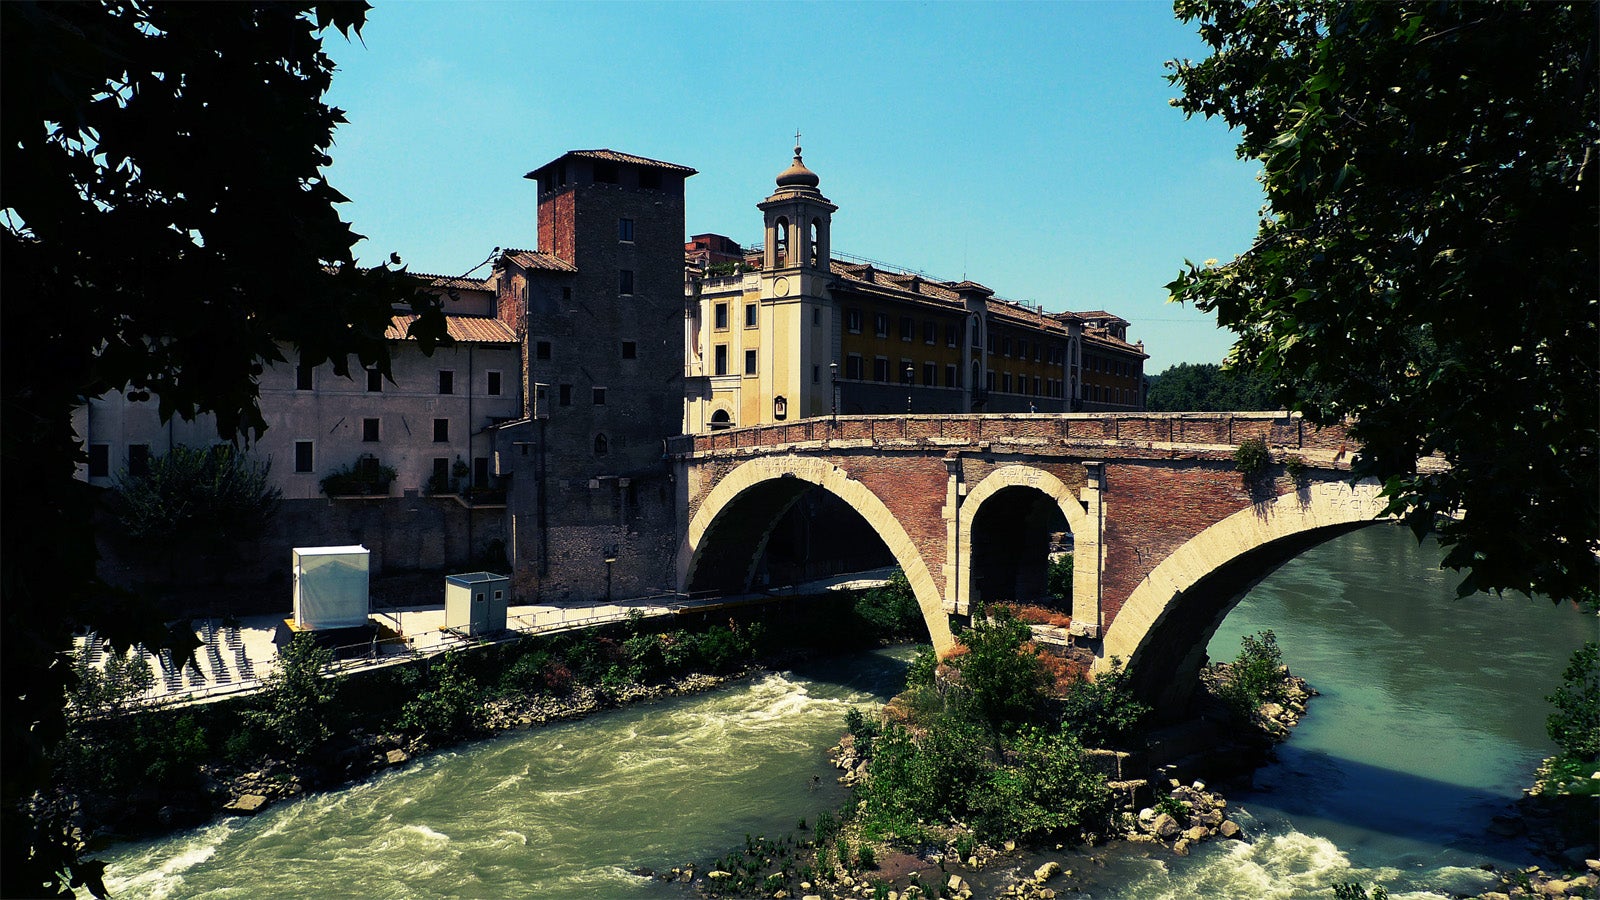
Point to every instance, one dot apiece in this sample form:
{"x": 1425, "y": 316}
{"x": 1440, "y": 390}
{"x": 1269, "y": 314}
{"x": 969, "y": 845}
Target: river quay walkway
{"x": 237, "y": 655}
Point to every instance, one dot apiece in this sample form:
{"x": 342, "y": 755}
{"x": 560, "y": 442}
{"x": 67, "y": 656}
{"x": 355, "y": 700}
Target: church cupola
{"x": 797, "y": 175}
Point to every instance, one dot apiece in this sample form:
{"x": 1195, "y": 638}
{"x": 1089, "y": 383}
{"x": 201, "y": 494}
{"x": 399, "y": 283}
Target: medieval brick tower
{"x": 599, "y": 308}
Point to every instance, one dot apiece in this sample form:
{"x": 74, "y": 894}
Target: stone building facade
{"x": 795, "y": 330}
{"x": 596, "y": 308}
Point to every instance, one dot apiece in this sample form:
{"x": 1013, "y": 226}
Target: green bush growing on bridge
{"x": 1251, "y": 458}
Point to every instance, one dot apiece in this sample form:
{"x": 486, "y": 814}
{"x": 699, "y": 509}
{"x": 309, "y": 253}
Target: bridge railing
{"x": 1207, "y": 429}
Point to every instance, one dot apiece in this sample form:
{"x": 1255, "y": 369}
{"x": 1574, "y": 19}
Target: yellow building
{"x": 795, "y": 330}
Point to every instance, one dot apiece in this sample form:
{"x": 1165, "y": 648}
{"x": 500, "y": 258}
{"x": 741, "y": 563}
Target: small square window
{"x": 880, "y": 369}
{"x": 720, "y": 319}
{"x": 541, "y": 350}
{"x": 630, "y": 350}
{"x": 625, "y": 281}
{"x": 565, "y": 392}
{"x": 880, "y": 324}
{"x": 950, "y": 373}
{"x": 493, "y": 388}
{"x": 625, "y": 230}
{"x": 852, "y": 321}
{"x": 750, "y": 362}
{"x": 816, "y": 316}
{"x": 441, "y": 431}
{"x": 374, "y": 381}
{"x": 99, "y": 460}
{"x": 816, "y": 374}
{"x": 853, "y": 367}
{"x": 302, "y": 456}
{"x": 302, "y": 377}
{"x": 951, "y": 335}
{"x": 369, "y": 430}
{"x": 447, "y": 381}
{"x": 907, "y": 328}
{"x": 930, "y": 333}
{"x": 752, "y": 315}
{"x": 930, "y": 374}
{"x": 721, "y": 361}
{"x": 599, "y": 396}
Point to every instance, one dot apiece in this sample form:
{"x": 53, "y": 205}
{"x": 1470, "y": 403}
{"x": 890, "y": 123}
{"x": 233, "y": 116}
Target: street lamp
{"x": 833, "y": 368}
{"x": 911, "y": 375}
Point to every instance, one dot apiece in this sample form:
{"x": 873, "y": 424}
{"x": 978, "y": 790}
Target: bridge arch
{"x": 1161, "y": 632}
{"x": 783, "y": 479}
{"x": 1009, "y": 479}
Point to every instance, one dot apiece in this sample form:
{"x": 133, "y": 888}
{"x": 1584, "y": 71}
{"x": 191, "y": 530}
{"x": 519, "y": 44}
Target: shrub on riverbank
{"x": 987, "y": 742}
{"x": 1575, "y": 728}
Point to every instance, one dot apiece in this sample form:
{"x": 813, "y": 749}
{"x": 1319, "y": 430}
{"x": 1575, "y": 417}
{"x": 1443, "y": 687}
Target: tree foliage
{"x": 295, "y": 707}
{"x": 1208, "y": 387}
{"x": 1002, "y": 683}
{"x": 201, "y": 499}
{"x": 166, "y": 230}
{"x": 1427, "y": 259}
{"x": 1575, "y": 725}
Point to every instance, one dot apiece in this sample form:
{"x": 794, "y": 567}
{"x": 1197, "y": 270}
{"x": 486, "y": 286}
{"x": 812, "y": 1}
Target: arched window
{"x": 601, "y": 445}
{"x": 816, "y": 250}
{"x": 720, "y": 420}
{"x": 780, "y": 240}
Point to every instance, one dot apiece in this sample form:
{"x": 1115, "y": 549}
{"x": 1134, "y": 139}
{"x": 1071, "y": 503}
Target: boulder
{"x": 395, "y": 757}
{"x": 1196, "y": 834}
{"x": 1165, "y": 826}
{"x": 247, "y": 805}
{"x": 1047, "y": 871}
{"x": 956, "y": 883}
{"x": 1229, "y": 829}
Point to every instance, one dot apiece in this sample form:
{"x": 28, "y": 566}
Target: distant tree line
{"x": 1207, "y": 387}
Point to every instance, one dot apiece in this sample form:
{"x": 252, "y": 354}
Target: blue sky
{"x": 1027, "y": 146}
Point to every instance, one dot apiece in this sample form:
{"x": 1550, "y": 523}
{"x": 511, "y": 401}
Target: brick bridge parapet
{"x": 1154, "y": 502}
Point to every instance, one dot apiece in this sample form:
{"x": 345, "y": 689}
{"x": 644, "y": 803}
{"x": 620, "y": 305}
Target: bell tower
{"x": 795, "y": 299}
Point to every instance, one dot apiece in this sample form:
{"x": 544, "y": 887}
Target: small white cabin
{"x": 476, "y": 602}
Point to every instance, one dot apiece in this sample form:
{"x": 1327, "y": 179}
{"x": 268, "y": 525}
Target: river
{"x": 1430, "y": 721}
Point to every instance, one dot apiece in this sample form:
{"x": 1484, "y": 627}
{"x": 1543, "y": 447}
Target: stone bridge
{"x": 1167, "y": 533}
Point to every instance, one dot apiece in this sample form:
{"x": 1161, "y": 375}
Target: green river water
{"x": 1431, "y": 719}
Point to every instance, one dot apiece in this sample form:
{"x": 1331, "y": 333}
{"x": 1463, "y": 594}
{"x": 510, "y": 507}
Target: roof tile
{"x": 468, "y": 329}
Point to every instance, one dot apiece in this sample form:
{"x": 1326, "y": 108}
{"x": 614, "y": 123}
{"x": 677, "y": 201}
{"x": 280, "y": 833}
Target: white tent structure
{"x": 330, "y": 587}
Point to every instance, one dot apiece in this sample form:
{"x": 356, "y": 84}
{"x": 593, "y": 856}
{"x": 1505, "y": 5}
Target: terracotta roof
{"x": 1102, "y": 314}
{"x": 450, "y": 282}
{"x": 614, "y": 156}
{"x": 1097, "y": 336}
{"x": 469, "y": 329}
{"x": 532, "y": 259}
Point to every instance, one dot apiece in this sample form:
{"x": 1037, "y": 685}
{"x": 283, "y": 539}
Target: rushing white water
{"x": 1431, "y": 718}
{"x": 566, "y": 811}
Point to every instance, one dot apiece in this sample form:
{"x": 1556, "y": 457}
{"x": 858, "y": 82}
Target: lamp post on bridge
{"x": 911, "y": 375}
{"x": 833, "y": 368}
